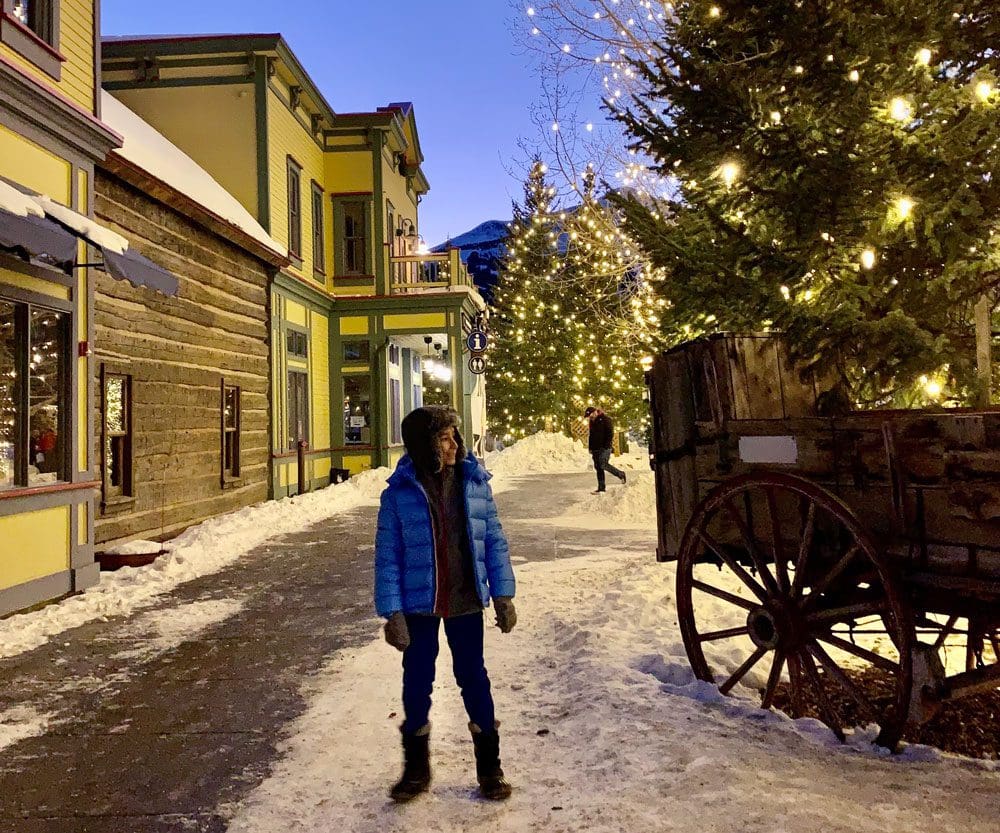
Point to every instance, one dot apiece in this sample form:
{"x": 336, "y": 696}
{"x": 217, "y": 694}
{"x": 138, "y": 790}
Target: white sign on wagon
{"x": 769, "y": 450}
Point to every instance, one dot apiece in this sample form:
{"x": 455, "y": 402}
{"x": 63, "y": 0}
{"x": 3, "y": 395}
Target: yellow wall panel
{"x": 295, "y": 313}
{"x": 83, "y": 419}
{"x": 183, "y": 114}
{"x": 354, "y": 326}
{"x": 288, "y": 137}
{"x": 415, "y": 320}
{"x": 82, "y": 523}
{"x": 320, "y": 382}
{"x": 357, "y": 464}
{"x": 32, "y": 284}
{"x": 34, "y": 167}
{"x": 35, "y": 545}
{"x": 76, "y": 43}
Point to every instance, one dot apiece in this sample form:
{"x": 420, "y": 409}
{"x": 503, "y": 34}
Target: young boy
{"x": 441, "y": 554}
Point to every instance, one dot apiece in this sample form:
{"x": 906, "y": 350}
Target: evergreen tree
{"x": 612, "y": 299}
{"x": 837, "y": 177}
{"x": 533, "y": 334}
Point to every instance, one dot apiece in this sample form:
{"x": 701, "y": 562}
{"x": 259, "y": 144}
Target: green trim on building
{"x": 263, "y": 160}
{"x": 163, "y": 83}
{"x": 378, "y": 232}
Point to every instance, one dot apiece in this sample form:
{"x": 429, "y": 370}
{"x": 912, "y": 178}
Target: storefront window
{"x": 357, "y": 352}
{"x": 33, "y": 346}
{"x": 357, "y": 409}
{"x": 8, "y": 395}
{"x": 47, "y": 380}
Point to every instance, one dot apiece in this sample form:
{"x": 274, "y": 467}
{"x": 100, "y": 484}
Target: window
{"x": 355, "y": 238}
{"x": 319, "y": 242}
{"x": 231, "y": 418}
{"x": 294, "y": 209}
{"x": 357, "y": 352}
{"x": 395, "y": 411}
{"x": 31, "y": 27}
{"x": 418, "y": 396}
{"x": 117, "y": 445}
{"x": 298, "y": 344}
{"x": 393, "y": 354}
{"x": 357, "y": 409}
{"x": 34, "y": 410}
{"x": 298, "y": 408}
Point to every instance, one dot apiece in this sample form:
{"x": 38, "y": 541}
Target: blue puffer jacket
{"x": 405, "y": 573}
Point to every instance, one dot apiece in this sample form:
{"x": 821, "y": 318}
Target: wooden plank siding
{"x": 177, "y": 351}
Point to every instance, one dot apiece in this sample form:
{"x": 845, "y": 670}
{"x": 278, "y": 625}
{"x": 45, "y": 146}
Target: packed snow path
{"x": 262, "y": 699}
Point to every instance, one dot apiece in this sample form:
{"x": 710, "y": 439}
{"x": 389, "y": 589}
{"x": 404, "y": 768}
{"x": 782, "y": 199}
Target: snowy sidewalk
{"x": 262, "y": 699}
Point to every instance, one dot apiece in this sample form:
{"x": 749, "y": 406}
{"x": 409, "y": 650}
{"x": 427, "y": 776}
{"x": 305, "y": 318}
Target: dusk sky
{"x": 456, "y": 60}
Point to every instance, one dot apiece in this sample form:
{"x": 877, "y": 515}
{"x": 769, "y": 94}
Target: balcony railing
{"x": 410, "y": 274}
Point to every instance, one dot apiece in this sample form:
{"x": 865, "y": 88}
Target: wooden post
{"x": 984, "y": 350}
{"x": 301, "y": 448}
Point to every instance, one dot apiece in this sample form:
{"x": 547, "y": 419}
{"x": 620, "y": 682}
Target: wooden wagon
{"x": 846, "y": 564}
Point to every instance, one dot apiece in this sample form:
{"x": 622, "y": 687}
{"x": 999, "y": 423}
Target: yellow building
{"x": 359, "y": 312}
{"x": 51, "y": 136}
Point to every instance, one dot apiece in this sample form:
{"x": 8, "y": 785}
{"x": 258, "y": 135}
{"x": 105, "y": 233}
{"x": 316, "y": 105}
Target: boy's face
{"x": 448, "y": 446}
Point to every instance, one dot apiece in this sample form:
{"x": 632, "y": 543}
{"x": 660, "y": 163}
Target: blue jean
{"x": 602, "y": 464}
{"x": 465, "y": 638}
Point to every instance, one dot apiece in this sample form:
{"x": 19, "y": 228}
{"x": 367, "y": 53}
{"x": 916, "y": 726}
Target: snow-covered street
{"x": 259, "y": 696}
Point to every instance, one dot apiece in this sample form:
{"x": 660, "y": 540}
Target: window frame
{"x": 318, "y": 231}
{"x": 233, "y": 472}
{"x": 303, "y": 379}
{"x": 40, "y": 48}
{"x": 340, "y": 238}
{"x": 125, "y": 492}
{"x": 293, "y": 183}
{"x": 297, "y": 334}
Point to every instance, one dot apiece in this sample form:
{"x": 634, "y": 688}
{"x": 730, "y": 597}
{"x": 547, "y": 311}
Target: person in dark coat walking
{"x": 602, "y": 432}
{"x": 441, "y": 555}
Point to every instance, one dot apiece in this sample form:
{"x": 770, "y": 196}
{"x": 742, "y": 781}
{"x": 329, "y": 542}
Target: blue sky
{"x": 456, "y": 60}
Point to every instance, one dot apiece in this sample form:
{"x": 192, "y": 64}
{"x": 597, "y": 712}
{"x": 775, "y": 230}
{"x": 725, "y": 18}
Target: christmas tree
{"x": 836, "y": 175}
{"x": 533, "y": 332}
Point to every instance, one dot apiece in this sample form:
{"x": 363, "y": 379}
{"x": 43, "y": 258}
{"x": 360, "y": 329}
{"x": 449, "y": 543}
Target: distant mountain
{"x": 482, "y": 250}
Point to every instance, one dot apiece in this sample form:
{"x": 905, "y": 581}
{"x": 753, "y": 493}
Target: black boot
{"x": 416, "y": 766}
{"x": 492, "y": 784}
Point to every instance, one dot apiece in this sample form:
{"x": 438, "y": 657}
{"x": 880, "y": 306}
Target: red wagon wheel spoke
{"x": 743, "y": 670}
{"x": 830, "y": 716}
{"x": 727, "y": 633}
{"x": 836, "y": 572}
{"x": 863, "y": 653}
{"x": 863, "y": 703}
{"x": 805, "y": 545}
{"x": 731, "y": 563}
{"x": 773, "y": 679}
{"x": 719, "y": 593}
{"x": 780, "y": 565}
{"x": 815, "y": 534}
{"x": 751, "y": 547}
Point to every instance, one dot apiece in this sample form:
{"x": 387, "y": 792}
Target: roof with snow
{"x": 150, "y": 151}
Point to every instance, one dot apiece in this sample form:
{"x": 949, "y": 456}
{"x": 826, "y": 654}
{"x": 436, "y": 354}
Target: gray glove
{"x": 397, "y": 633}
{"x": 506, "y": 615}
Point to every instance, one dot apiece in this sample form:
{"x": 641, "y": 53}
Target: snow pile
{"x": 541, "y": 453}
{"x": 140, "y": 547}
{"x": 207, "y": 548}
{"x": 630, "y": 506}
{"x": 20, "y": 205}
{"x": 604, "y": 728}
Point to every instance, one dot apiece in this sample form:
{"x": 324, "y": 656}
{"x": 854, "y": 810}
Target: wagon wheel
{"x": 788, "y": 594}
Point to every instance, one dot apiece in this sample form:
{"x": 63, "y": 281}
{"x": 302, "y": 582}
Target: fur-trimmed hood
{"x": 420, "y": 429}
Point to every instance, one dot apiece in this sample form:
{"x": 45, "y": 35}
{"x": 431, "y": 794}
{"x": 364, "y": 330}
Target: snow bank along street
{"x": 243, "y": 684}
